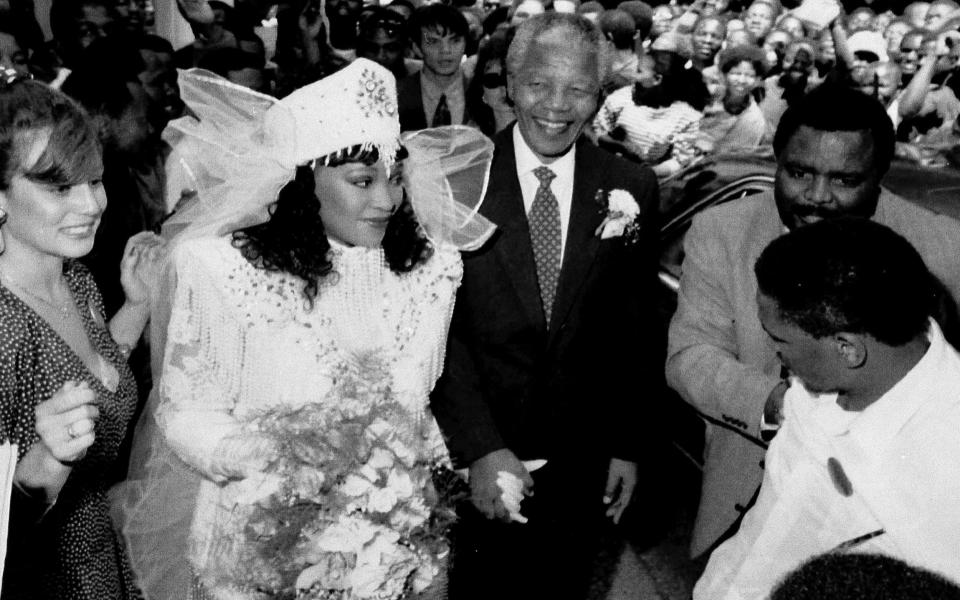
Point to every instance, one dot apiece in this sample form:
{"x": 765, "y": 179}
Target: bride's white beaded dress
{"x": 238, "y": 349}
{"x": 242, "y": 338}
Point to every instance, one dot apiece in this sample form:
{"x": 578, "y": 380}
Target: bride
{"x": 312, "y": 279}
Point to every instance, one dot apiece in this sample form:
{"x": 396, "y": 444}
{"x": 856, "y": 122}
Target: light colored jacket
{"x": 720, "y": 360}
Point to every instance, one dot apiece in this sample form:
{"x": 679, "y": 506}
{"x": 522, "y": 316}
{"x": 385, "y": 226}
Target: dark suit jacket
{"x": 410, "y": 103}
{"x": 579, "y": 385}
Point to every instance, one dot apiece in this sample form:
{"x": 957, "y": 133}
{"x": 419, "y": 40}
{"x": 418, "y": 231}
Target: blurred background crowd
{"x": 688, "y": 80}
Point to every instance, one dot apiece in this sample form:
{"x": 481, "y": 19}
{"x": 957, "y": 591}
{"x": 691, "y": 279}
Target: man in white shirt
{"x": 833, "y": 149}
{"x": 868, "y": 454}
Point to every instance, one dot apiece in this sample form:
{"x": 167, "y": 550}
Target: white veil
{"x": 229, "y": 163}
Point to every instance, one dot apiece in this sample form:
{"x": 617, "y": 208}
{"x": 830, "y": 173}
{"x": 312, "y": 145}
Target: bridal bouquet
{"x": 350, "y": 510}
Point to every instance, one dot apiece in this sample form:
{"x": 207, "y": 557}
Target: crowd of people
{"x": 419, "y": 234}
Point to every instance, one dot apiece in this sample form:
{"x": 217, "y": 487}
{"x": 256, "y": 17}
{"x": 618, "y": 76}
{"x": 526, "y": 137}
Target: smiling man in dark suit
{"x": 553, "y": 345}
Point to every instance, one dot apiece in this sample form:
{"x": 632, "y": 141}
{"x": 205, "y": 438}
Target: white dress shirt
{"x": 894, "y": 470}
{"x": 561, "y": 186}
{"x": 430, "y": 94}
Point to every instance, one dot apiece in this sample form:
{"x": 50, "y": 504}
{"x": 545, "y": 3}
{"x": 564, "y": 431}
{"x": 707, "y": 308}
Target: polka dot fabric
{"x": 72, "y": 552}
{"x": 546, "y": 238}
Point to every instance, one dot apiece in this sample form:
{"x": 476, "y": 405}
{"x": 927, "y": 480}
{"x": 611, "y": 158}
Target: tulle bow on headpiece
{"x": 237, "y": 150}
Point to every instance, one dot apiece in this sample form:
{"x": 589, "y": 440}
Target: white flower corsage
{"x": 621, "y": 215}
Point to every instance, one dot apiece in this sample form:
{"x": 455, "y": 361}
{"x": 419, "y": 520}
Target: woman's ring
{"x": 70, "y": 430}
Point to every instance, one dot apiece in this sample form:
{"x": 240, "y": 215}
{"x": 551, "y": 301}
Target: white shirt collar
{"x": 527, "y": 161}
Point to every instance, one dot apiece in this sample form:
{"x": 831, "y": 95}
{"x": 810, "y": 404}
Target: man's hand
{"x": 484, "y": 491}
{"x": 773, "y": 409}
{"x": 621, "y": 481}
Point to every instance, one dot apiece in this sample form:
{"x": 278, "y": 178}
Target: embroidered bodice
{"x": 241, "y": 339}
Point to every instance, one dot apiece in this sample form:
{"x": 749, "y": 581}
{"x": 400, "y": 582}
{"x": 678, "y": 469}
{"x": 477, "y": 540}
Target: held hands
{"x": 310, "y": 21}
{"x": 140, "y": 267}
{"x": 621, "y": 481}
{"x": 485, "y": 494}
{"x": 65, "y": 422}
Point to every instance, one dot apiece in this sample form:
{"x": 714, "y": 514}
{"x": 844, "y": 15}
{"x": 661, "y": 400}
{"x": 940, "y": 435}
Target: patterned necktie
{"x": 441, "y": 116}
{"x": 545, "y": 235}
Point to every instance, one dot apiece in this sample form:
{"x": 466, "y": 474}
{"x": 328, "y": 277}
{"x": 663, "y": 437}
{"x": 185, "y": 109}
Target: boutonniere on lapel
{"x": 620, "y": 215}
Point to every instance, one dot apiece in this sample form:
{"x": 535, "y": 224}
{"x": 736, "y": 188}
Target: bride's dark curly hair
{"x": 294, "y": 241}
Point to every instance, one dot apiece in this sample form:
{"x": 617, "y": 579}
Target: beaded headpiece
{"x": 356, "y": 106}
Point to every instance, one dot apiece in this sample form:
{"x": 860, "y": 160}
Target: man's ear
{"x": 509, "y": 94}
{"x": 851, "y": 348}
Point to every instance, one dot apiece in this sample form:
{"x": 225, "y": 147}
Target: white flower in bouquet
{"x": 306, "y": 481}
{"x": 347, "y": 534}
{"x": 423, "y": 577}
{"x": 381, "y": 500}
{"x": 378, "y": 564}
{"x": 329, "y": 569}
{"x": 401, "y": 484}
{"x": 356, "y": 486}
{"x": 380, "y": 458}
{"x": 256, "y": 487}
{"x": 403, "y": 453}
{"x": 410, "y": 515}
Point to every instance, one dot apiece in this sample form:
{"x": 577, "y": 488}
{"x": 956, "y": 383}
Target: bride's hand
{"x": 485, "y": 494}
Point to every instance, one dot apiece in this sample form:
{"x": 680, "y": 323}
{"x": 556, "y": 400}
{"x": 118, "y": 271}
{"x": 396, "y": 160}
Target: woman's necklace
{"x": 62, "y": 311}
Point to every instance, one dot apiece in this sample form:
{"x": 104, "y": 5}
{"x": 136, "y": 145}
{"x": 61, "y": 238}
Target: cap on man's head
{"x": 870, "y": 42}
{"x": 837, "y": 107}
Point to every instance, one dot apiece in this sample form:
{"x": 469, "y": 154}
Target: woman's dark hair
{"x": 677, "y": 83}
{"x": 104, "y": 90}
{"x": 732, "y": 57}
{"x": 753, "y": 55}
{"x": 29, "y": 109}
{"x": 495, "y": 49}
{"x": 294, "y": 240}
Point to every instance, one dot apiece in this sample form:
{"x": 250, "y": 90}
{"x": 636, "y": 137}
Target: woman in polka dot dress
{"x": 66, "y": 393}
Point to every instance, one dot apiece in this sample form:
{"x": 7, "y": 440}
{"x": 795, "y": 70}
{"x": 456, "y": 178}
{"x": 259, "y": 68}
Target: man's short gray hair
{"x": 571, "y": 28}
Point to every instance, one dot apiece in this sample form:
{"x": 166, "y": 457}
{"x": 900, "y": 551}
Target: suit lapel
{"x": 582, "y": 243}
{"x": 513, "y": 248}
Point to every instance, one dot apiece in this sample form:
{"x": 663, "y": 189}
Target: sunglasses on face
{"x": 493, "y": 80}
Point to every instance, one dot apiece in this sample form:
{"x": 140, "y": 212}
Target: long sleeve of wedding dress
{"x": 200, "y": 385}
